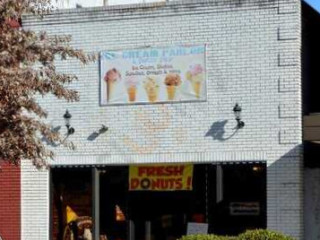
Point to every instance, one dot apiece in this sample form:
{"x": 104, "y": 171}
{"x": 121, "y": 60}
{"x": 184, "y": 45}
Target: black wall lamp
{"x": 237, "y": 113}
{"x": 67, "y": 117}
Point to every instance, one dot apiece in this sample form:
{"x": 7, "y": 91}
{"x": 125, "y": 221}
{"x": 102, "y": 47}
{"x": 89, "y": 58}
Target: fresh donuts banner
{"x": 153, "y": 75}
{"x": 161, "y": 177}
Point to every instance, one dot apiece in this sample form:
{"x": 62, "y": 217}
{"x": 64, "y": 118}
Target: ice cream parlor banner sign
{"x": 171, "y": 177}
{"x": 153, "y": 75}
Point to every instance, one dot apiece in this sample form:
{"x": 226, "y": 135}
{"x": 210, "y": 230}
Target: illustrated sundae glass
{"x": 112, "y": 77}
{"x": 172, "y": 81}
{"x": 195, "y": 76}
{"x": 152, "y": 88}
{"x": 131, "y": 84}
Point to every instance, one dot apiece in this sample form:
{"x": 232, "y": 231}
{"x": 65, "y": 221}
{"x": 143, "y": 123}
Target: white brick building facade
{"x": 253, "y": 58}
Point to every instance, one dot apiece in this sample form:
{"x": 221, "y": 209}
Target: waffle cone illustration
{"x": 171, "y": 90}
{"x": 153, "y": 95}
{"x": 172, "y": 81}
{"x": 112, "y": 76}
{"x": 131, "y": 84}
{"x": 110, "y": 89}
{"x": 132, "y": 93}
{"x": 196, "y": 86}
{"x": 152, "y": 88}
{"x": 196, "y": 76}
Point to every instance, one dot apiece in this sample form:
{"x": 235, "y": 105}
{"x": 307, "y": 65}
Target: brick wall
{"x": 312, "y": 207}
{"x": 10, "y": 217}
{"x": 253, "y": 58}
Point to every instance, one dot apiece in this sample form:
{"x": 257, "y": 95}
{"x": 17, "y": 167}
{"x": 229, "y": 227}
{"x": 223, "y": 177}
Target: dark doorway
{"x": 72, "y": 193}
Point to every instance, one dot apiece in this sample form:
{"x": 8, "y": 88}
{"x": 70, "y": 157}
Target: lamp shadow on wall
{"x": 217, "y": 131}
{"x": 96, "y": 134}
{"x": 93, "y": 136}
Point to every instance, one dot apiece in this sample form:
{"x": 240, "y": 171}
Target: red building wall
{"x": 10, "y": 189}
{"x": 9, "y": 201}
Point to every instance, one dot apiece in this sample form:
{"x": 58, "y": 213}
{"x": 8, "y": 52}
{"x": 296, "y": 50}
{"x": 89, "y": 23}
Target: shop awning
{"x": 311, "y": 127}
{"x": 214, "y": 157}
{"x": 106, "y": 165}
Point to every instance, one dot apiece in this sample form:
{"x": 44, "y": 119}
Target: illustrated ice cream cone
{"x": 153, "y": 95}
{"x": 172, "y": 81}
{"x": 171, "y": 90}
{"x": 131, "y": 84}
{"x": 196, "y": 86}
{"x": 112, "y": 77}
{"x": 196, "y": 77}
{"x": 152, "y": 89}
{"x": 110, "y": 88}
{"x": 132, "y": 93}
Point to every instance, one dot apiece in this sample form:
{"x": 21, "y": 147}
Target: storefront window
{"x": 243, "y": 202}
{"x": 225, "y": 199}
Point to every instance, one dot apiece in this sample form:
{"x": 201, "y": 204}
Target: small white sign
{"x": 244, "y": 208}
{"x": 197, "y": 228}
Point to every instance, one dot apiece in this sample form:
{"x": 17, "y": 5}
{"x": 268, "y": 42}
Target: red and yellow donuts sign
{"x": 168, "y": 177}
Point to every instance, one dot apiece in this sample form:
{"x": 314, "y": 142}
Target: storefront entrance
{"x": 223, "y": 199}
